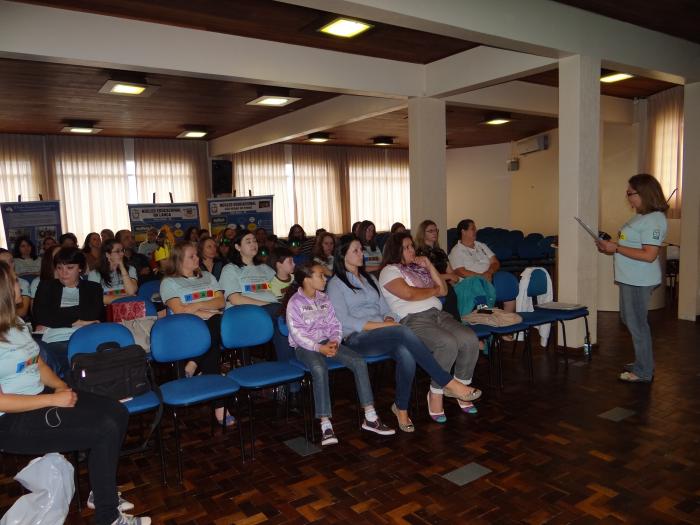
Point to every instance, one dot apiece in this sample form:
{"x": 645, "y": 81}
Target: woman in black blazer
{"x": 64, "y": 304}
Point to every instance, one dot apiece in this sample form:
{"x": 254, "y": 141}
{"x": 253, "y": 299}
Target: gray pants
{"x": 634, "y": 306}
{"x": 450, "y": 341}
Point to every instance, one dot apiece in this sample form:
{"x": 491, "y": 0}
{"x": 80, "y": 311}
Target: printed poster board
{"x": 35, "y": 219}
{"x": 244, "y": 212}
{"x": 177, "y": 216}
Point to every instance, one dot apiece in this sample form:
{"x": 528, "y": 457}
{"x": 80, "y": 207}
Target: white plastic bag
{"x": 50, "y": 482}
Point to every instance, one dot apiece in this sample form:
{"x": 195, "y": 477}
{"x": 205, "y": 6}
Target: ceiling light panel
{"x": 345, "y": 28}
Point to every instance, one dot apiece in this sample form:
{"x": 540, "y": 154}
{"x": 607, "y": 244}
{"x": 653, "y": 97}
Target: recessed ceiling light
{"x": 383, "y": 141}
{"x": 615, "y": 77}
{"x": 319, "y": 136}
{"x": 497, "y": 119}
{"x": 81, "y": 130}
{"x": 272, "y": 101}
{"x": 345, "y": 27}
{"x": 192, "y": 134}
{"x": 127, "y": 88}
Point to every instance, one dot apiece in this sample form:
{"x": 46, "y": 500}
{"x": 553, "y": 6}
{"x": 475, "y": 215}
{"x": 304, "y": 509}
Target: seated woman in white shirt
{"x": 117, "y": 279}
{"x": 470, "y": 257}
{"x": 26, "y": 262}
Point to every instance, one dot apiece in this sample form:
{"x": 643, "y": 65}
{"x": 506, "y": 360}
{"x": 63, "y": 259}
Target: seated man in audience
{"x": 131, "y": 257}
{"x": 282, "y": 261}
{"x": 150, "y": 245}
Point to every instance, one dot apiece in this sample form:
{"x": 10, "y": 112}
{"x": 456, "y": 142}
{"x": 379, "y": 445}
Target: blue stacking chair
{"x": 538, "y": 286}
{"x": 452, "y": 238}
{"x": 147, "y": 289}
{"x": 85, "y": 340}
{"x": 179, "y": 337}
{"x": 150, "y": 307}
{"x": 249, "y": 325}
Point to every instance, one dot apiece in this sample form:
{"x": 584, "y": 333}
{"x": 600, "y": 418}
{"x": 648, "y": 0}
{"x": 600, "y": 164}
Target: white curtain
{"x": 180, "y": 167}
{"x": 262, "y": 171}
{"x": 318, "y": 171}
{"x": 21, "y": 171}
{"x": 664, "y": 147}
{"x": 89, "y": 174}
{"x": 379, "y": 186}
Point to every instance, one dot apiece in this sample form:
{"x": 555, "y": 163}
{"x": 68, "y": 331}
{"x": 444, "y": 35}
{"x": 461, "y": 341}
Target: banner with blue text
{"x": 250, "y": 213}
{"x": 34, "y": 219}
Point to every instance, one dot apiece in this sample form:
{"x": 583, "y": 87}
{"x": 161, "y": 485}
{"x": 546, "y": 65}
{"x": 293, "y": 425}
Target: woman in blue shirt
{"x": 370, "y": 328}
{"x": 637, "y": 269}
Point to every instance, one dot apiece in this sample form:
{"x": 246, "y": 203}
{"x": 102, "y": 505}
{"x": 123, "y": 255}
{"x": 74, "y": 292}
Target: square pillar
{"x": 688, "y": 279}
{"x": 427, "y": 133}
{"x": 579, "y": 166}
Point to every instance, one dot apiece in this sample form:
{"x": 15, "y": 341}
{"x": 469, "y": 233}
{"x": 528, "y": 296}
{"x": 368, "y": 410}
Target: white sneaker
{"x": 122, "y": 507}
{"x": 127, "y": 519}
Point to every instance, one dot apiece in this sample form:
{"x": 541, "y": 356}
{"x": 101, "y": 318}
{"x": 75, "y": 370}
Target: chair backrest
{"x": 381, "y": 239}
{"x": 282, "y": 325}
{"x": 147, "y": 289}
{"x": 534, "y": 236}
{"x": 301, "y": 259}
{"x": 545, "y": 245}
{"x": 452, "y": 238}
{"x": 506, "y": 285}
{"x": 529, "y": 248}
{"x": 86, "y": 339}
{"x": 179, "y": 336}
{"x": 245, "y": 326}
{"x": 501, "y": 250}
{"x": 150, "y": 307}
{"x": 538, "y": 283}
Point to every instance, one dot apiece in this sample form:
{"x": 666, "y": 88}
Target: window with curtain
{"x": 262, "y": 171}
{"x": 89, "y": 174}
{"x": 21, "y": 171}
{"x": 664, "y": 148}
{"x": 318, "y": 173}
{"x": 166, "y": 166}
{"x": 379, "y": 186}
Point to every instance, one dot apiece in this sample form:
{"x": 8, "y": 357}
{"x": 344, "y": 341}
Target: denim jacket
{"x": 311, "y": 321}
{"x": 355, "y": 307}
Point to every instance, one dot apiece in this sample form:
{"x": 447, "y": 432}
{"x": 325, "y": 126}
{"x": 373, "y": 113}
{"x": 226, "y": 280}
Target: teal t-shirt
{"x": 19, "y": 363}
{"x": 250, "y": 281}
{"x": 639, "y": 230}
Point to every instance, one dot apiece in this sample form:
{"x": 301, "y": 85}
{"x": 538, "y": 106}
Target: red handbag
{"x": 118, "y": 312}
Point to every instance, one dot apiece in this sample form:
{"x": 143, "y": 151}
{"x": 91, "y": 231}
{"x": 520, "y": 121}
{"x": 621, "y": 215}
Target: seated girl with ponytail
{"x": 315, "y": 334}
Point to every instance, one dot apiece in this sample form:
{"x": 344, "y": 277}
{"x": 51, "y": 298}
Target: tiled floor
{"x": 548, "y": 452}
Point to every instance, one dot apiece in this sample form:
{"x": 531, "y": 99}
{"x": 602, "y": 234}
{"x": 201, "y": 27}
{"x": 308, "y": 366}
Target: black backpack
{"x": 113, "y": 371}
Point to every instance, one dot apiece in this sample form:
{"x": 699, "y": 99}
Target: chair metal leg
{"x": 566, "y": 353}
{"x": 240, "y": 427}
{"x": 252, "y": 430}
{"x": 161, "y": 452}
{"x": 176, "y": 424}
{"x": 589, "y": 347}
{"x": 528, "y": 351}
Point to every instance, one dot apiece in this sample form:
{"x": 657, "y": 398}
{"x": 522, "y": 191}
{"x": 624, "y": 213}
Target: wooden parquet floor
{"x": 552, "y": 459}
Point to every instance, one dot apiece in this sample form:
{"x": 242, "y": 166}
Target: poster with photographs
{"x": 244, "y": 212}
{"x": 37, "y": 220}
{"x": 176, "y": 216}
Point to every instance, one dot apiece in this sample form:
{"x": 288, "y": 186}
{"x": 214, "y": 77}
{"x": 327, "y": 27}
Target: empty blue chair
{"x": 530, "y": 249}
{"x": 150, "y": 307}
{"x": 180, "y": 337}
{"x": 452, "y": 238}
{"x": 501, "y": 249}
{"x": 246, "y": 326}
{"x": 148, "y": 289}
{"x": 85, "y": 340}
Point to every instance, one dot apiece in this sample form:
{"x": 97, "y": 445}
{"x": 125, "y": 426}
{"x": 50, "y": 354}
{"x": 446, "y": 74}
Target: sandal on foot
{"x": 438, "y": 417}
{"x": 230, "y": 421}
{"x": 405, "y": 427}
{"x": 467, "y": 407}
{"x": 629, "y": 367}
{"x": 629, "y": 377}
{"x": 469, "y": 396}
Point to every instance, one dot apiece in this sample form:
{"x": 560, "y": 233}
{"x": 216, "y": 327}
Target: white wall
{"x": 479, "y": 185}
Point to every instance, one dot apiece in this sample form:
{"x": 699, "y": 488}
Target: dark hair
{"x": 393, "y": 248}
{"x": 362, "y": 235}
{"x": 120, "y": 235}
{"x": 317, "y": 250}
{"x": 69, "y": 256}
{"x": 301, "y": 272}
{"x": 291, "y": 235}
{"x": 278, "y": 255}
{"x": 67, "y": 236}
{"x": 103, "y": 264}
{"x": 341, "y": 272}
{"x": 235, "y": 255}
{"x": 188, "y": 234}
{"x": 650, "y": 193}
{"x": 86, "y": 245}
{"x": 15, "y": 250}
{"x": 200, "y": 247}
{"x": 464, "y": 224}
{"x": 355, "y": 225}
{"x": 395, "y": 227}
{"x": 47, "y": 267}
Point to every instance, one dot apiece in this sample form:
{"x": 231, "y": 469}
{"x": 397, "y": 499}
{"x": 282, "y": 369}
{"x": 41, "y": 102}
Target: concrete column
{"x": 579, "y": 165}
{"x": 427, "y": 135}
{"x": 689, "y": 281}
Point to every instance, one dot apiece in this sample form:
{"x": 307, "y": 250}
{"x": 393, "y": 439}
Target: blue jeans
{"x": 406, "y": 349}
{"x": 634, "y": 306}
{"x": 316, "y": 363}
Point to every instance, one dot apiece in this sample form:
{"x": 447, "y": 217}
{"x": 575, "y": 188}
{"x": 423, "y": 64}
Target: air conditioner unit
{"x": 533, "y": 144}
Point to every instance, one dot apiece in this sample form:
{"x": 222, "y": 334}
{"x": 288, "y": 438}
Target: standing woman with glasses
{"x": 117, "y": 279}
{"x": 637, "y": 269}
